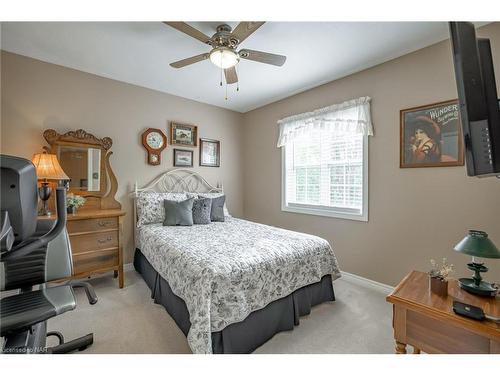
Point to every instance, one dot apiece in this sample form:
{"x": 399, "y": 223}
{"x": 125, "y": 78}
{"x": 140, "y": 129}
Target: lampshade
{"x": 224, "y": 57}
{"x": 48, "y": 167}
{"x": 477, "y": 244}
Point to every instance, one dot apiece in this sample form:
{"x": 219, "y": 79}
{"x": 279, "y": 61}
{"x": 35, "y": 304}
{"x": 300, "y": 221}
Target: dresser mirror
{"x": 85, "y": 167}
{"x": 85, "y": 159}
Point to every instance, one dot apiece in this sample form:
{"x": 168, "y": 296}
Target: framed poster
{"x": 183, "y": 158}
{"x": 209, "y": 153}
{"x": 185, "y": 135}
{"x": 431, "y": 136}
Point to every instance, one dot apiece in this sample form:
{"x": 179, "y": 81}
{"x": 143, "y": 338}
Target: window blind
{"x": 325, "y": 168}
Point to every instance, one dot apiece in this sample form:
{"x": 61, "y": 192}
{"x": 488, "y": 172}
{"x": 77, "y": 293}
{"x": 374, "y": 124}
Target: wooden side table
{"x": 427, "y": 322}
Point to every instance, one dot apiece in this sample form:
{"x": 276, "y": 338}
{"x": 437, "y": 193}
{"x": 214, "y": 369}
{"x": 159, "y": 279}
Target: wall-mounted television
{"x": 477, "y": 95}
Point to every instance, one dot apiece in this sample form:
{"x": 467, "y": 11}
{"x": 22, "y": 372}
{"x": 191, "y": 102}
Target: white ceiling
{"x": 140, "y": 52}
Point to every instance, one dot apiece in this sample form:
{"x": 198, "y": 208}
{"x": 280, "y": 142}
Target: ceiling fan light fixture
{"x": 224, "y": 57}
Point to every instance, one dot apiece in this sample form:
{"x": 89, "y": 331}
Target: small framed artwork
{"x": 185, "y": 135}
{"x": 209, "y": 153}
{"x": 431, "y": 136}
{"x": 183, "y": 158}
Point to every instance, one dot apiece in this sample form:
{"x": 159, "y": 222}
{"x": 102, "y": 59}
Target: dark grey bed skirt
{"x": 257, "y": 328}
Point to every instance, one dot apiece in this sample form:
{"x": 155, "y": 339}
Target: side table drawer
{"x": 432, "y": 336}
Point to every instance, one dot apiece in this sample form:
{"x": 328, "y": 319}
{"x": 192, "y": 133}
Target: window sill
{"x": 326, "y": 212}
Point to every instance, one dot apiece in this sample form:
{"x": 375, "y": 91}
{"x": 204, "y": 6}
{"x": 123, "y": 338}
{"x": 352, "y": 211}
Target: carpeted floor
{"x": 127, "y": 321}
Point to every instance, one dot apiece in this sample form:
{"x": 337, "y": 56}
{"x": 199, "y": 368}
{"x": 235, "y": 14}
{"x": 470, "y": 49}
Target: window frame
{"x": 319, "y": 210}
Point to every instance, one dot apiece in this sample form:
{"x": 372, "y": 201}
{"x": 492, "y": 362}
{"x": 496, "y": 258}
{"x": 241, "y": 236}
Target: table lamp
{"x": 477, "y": 244}
{"x": 47, "y": 168}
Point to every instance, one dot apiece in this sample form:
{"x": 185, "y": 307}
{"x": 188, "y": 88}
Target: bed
{"x": 229, "y": 286}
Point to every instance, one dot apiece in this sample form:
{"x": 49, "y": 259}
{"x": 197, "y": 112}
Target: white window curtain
{"x": 352, "y": 116}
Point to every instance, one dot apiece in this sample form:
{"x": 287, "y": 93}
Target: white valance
{"x": 352, "y": 116}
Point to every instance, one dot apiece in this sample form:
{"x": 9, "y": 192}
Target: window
{"x": 325, "y": 171}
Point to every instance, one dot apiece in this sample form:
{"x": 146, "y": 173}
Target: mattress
{"x": 224, "y": 271}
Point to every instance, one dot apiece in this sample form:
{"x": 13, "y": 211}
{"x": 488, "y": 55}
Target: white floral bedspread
{"x": 225, "y": 270}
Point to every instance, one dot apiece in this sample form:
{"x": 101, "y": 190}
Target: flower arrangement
{"x": 74, "y": 201}
{"x": 441, "y": 271}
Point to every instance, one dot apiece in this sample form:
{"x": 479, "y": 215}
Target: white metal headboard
{"x": 175, "y": 181}
{"x": 178, "y": 181}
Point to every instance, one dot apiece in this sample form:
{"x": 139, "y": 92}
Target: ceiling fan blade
{"x": 263, "y": 57}
{"x": 189, "y": 60}
{"x": 231, "y": 76}
{"x": 189, "y": 30}
{"x": 245, "y": 29}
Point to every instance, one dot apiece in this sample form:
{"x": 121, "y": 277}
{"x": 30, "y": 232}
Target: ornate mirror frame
{"x": 105, "y": 197}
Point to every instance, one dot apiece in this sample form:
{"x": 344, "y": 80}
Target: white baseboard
{"x": 128, "y": 267}
{"x": 384, "y": 288}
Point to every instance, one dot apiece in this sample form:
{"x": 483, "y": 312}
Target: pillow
{"x": 150, "y": 207}
{"x": 217, "y": 211}
{"x": 178, "y": 213}
{"x": 215, "y": 195}
{"x": 201, "y": 211}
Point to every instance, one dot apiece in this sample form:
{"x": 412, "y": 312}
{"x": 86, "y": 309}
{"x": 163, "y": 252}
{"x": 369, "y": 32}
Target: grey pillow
{"x": 217, "y": 211}
{"x": 178, "y": 213}
{"x": 201, "y": 211}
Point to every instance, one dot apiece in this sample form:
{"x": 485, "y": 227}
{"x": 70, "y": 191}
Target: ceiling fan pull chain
{"x": 221, "y": 69}
{"x": 238, "y": 81}
{"x": 226, "y": 90}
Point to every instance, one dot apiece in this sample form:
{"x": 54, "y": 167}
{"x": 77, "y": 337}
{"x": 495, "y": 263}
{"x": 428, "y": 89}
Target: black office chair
{"x": 33, "y": 253}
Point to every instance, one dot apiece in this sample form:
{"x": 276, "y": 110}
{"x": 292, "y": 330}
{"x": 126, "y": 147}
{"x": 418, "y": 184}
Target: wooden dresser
{"x": 96, "y": 242}
{"x": 427, "y": 322}
{"x": 95, "y": 230}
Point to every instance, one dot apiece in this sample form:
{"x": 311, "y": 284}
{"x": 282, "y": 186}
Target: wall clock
{"x": 155, "y": 142}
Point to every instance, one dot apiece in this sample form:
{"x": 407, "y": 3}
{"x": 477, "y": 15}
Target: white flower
{"x": 75, "y": 201}
{"x": 442, "y": 271}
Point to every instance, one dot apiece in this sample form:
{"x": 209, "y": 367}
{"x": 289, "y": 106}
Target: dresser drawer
{"x": 91, "y": 225}
{"x": 94, "y": 261}
{"x": 92, "y": 241}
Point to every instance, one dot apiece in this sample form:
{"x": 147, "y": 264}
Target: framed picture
{"x": 209, "y": 153}
{"x": 431, "y": 136}
{"x": 185, "y": 135}
{"x": 183, "y": 158}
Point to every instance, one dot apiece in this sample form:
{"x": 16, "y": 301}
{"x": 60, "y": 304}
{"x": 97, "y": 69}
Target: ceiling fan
{"x": 224, "y": 45}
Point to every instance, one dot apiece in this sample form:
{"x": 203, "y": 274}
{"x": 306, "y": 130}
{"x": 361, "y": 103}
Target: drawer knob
{"x": 104, "y": 240}
{"x": 103, "y": 223}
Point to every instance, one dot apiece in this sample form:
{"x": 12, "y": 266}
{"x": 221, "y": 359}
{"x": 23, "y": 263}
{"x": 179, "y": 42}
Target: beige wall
{"x": 38, "y": 96}
{"x": 414, "y": 214}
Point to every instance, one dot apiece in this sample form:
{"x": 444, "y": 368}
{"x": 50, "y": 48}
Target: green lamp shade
{"x": 477, "y": 244}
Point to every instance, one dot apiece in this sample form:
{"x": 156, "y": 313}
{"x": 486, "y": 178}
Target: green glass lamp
{"x": 477, "y": 244}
